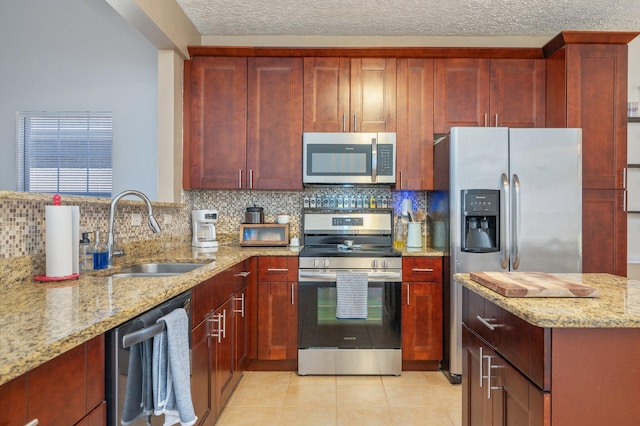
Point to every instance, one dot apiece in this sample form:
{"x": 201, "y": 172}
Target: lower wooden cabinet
{"x": 67, "y": 390}
{"x": 277, "y": 308}
{"x": 219, "y": 340}
{"x": 421, "y": 309}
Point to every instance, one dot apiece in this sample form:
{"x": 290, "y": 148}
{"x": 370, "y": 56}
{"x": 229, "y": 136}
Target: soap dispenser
{"x": 86, "y": 253}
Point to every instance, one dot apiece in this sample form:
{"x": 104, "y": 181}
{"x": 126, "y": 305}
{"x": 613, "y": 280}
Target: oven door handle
{"x": 310, "y": 276}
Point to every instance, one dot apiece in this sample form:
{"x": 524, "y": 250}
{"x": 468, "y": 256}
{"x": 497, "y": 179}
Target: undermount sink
{"x": 157, "y": 269}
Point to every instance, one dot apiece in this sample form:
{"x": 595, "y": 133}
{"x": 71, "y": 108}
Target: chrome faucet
{"x": 153, "y": 224}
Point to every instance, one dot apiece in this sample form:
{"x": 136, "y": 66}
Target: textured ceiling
{"x": 409, "y": 17}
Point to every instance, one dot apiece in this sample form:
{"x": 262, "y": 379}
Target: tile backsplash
{"x": 22, "y": 224}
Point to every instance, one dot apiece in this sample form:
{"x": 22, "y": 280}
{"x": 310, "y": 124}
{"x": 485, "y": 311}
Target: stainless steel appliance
{"x": 513, "y": 199}
{"x": 349, "y": 158}
{"x": 204, "y": 228}
{"x": 118, "y": 343}
{"x": 338, "y": 242}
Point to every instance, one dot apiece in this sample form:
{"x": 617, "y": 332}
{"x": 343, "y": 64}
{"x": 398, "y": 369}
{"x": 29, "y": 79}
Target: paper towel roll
{"x": 59, "y": 240}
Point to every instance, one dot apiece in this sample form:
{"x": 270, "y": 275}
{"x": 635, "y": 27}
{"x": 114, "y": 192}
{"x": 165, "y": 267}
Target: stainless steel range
{"x": 349, "y": 294}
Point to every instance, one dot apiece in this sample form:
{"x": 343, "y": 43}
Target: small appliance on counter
{"x": 204, "y": 229}
{"x": 254, "y": 215}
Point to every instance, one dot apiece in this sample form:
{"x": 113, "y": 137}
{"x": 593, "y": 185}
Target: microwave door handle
{"x": 374, "y": 160}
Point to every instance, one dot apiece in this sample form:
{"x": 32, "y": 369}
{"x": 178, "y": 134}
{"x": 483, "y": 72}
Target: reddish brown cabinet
{"x": 587, "y": 88}
{"x": 421, "y": 309}
{"x": 414, "y": 134}
{"x": 489, "y": 92}
{"x": 277, "y": 308}
{"x": 67, "y": 390}
{"x": 243, "y": 123}
{"x": 349, "y": 94}
{"x": 215, "y": 126}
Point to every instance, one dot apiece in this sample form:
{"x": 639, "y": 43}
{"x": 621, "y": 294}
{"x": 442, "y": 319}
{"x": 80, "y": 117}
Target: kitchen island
{"x": 542, "y": 361}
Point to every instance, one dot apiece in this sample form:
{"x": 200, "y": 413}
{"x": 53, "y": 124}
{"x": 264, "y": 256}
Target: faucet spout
{"x": 153, "y": 223}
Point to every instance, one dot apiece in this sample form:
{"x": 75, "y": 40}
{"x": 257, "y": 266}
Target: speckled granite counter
{"x": 39, "y": 321}
{"x": 617, "y": 307}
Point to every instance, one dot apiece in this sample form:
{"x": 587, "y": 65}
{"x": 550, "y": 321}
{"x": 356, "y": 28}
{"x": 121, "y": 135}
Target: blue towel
{"x": 351, "y": 295}
{"x": 171, "y": 375}
{"x": 138, "y": 400}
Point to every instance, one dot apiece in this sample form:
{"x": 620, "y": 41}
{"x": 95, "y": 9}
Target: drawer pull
{"x": 278, "y": 270}
{"x": 242, "y": 274}
{"x": 491, "y": 367}
{"x": 33, "y": 422}
{"x": 486, "y": 323}
{"x": 422, "y": 269}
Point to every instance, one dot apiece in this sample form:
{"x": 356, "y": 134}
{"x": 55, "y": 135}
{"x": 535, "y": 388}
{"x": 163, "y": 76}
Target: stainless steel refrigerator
{"x": 511, "y": 200}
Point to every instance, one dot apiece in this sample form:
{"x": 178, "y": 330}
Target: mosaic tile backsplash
{"x": 22, "y": 224}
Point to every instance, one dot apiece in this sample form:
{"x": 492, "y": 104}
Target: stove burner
{"x": 346, "y": 247}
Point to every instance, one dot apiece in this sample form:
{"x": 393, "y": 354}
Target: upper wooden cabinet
{"x": 414, "y": 133}
{"x": 349, "y": 95}
{"x": 489, "y": 92}
{"x": 587, "y": 88}
{"x": 243, "y": 123}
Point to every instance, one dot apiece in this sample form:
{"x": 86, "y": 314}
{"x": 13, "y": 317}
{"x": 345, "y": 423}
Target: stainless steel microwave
{"x": 349, "y": 158}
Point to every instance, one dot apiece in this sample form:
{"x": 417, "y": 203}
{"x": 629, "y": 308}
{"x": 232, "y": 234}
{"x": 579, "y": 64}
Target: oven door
{"x": 319, "y": 327}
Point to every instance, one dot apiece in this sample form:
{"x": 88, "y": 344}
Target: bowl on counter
{"x": 282, "y": 219}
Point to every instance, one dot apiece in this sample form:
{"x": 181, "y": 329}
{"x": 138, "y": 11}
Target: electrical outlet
{"x": 136, "y": 219}
{"x": 168, "y": 219}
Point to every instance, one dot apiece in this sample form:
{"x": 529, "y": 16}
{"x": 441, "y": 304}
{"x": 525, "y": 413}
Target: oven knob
{"x": 325, "y": 263}
{"x": 316, "y": 263}
{"x": 374, "y": 263}
{"x": 385, "y": 264}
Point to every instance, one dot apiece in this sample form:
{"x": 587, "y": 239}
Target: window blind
{"x": 65, "y": 153}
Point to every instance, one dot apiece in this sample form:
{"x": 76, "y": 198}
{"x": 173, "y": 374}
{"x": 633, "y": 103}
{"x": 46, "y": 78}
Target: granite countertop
{"x": 39, "y": 321}
{"x": 618, "y": 305}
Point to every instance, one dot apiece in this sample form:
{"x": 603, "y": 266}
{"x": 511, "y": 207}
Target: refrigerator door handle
{"x": 515, "y": 233}
{"x": 504, "y": 249}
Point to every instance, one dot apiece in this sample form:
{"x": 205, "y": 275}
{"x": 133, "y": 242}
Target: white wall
{"x": 80, "y": 55}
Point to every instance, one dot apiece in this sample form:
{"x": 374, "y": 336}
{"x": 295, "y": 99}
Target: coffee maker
{"x": 204, "y": 229}
{"x": 480, "y": 220}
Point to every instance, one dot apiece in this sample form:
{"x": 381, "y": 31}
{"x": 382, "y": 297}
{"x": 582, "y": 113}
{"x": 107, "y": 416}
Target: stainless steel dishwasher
{"x": 118, "y": 345}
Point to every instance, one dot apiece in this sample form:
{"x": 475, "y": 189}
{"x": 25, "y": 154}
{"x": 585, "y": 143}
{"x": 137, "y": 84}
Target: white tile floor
{"x": 284, "y": 398}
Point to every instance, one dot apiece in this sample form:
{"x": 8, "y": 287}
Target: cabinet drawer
{"x": 277, "y": 268}
{"x": 482, "y": 317}
{"x": 422, "y": 269}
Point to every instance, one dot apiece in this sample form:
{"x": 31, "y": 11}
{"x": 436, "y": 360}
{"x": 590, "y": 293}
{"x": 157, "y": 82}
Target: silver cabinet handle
{"x": 241, "y": 300}
{"x": 422, "y": 269}
{"x": 293, "y": 294}
{"x": 408, "y": 302}
{"x": 489, "y": 369}
{"x": 504, "y": 221}
{"x": 344, "y": 122}
{"x": 239, "y": 178}
{"x": 624, "y": 178}
{"x": 224, "y": 323}
{"x": 278, "y": 269}
{"x": 485, "y": 120}
{"x": 355, "y": 122}
{"x": 243, "y": 274}
{"x": 486, "y": 323}
{"x": 216, "y": 329}
{"x": 481, "y": 357}
{"x": 250, "y": 178}
{"x": 33, "y": 422}
{"x": 515, "y": 232}
{"x": 496, "y": 119}
{"x": 374, "y": 160}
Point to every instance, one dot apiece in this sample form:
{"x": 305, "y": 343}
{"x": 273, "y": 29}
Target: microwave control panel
{"x": 385, "y": 160}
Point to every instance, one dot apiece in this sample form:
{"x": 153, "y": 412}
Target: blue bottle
{"x": 100, "y": 253}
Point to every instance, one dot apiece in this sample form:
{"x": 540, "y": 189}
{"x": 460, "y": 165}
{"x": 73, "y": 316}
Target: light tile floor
{"x": 284, "y": 398}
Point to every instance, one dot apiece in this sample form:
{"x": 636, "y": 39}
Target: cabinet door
{"x": 604, "y": 232}
{"x": 522, "y": 402}
{"x": 277, "y": 320}
{"x": 422, "y": 321}
{"x": 326, "y": 94}
{"x": 274, "y": 135}
{"x": 373, "y": 95}
{"x": 240, "y": 331}
{"x": 414, "y": 139}
{"x": 13, "y": 402}
{"x": 517, "y": 96}
{"x": 201, "y": 373}
{"x": 596, "y": 102}
{"x": 461, "y": 93}
{"x": 215, "y": 123}
{"x": 223, "y": 365}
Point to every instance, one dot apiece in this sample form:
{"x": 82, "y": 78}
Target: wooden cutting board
{"x": 532, "y": 284}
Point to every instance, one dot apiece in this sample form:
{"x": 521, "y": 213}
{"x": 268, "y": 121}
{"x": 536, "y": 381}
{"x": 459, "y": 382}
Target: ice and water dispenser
{"x": 480, "y": 220}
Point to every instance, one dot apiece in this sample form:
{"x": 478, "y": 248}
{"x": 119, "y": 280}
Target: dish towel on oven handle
{"x": 171, "y": 371}
{"x": 351, "y": 295}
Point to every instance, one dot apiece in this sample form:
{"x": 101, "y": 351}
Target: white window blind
{"x": 65, "y": 153}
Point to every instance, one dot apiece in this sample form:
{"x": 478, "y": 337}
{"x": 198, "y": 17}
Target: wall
{"x": 80, "y": 55}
